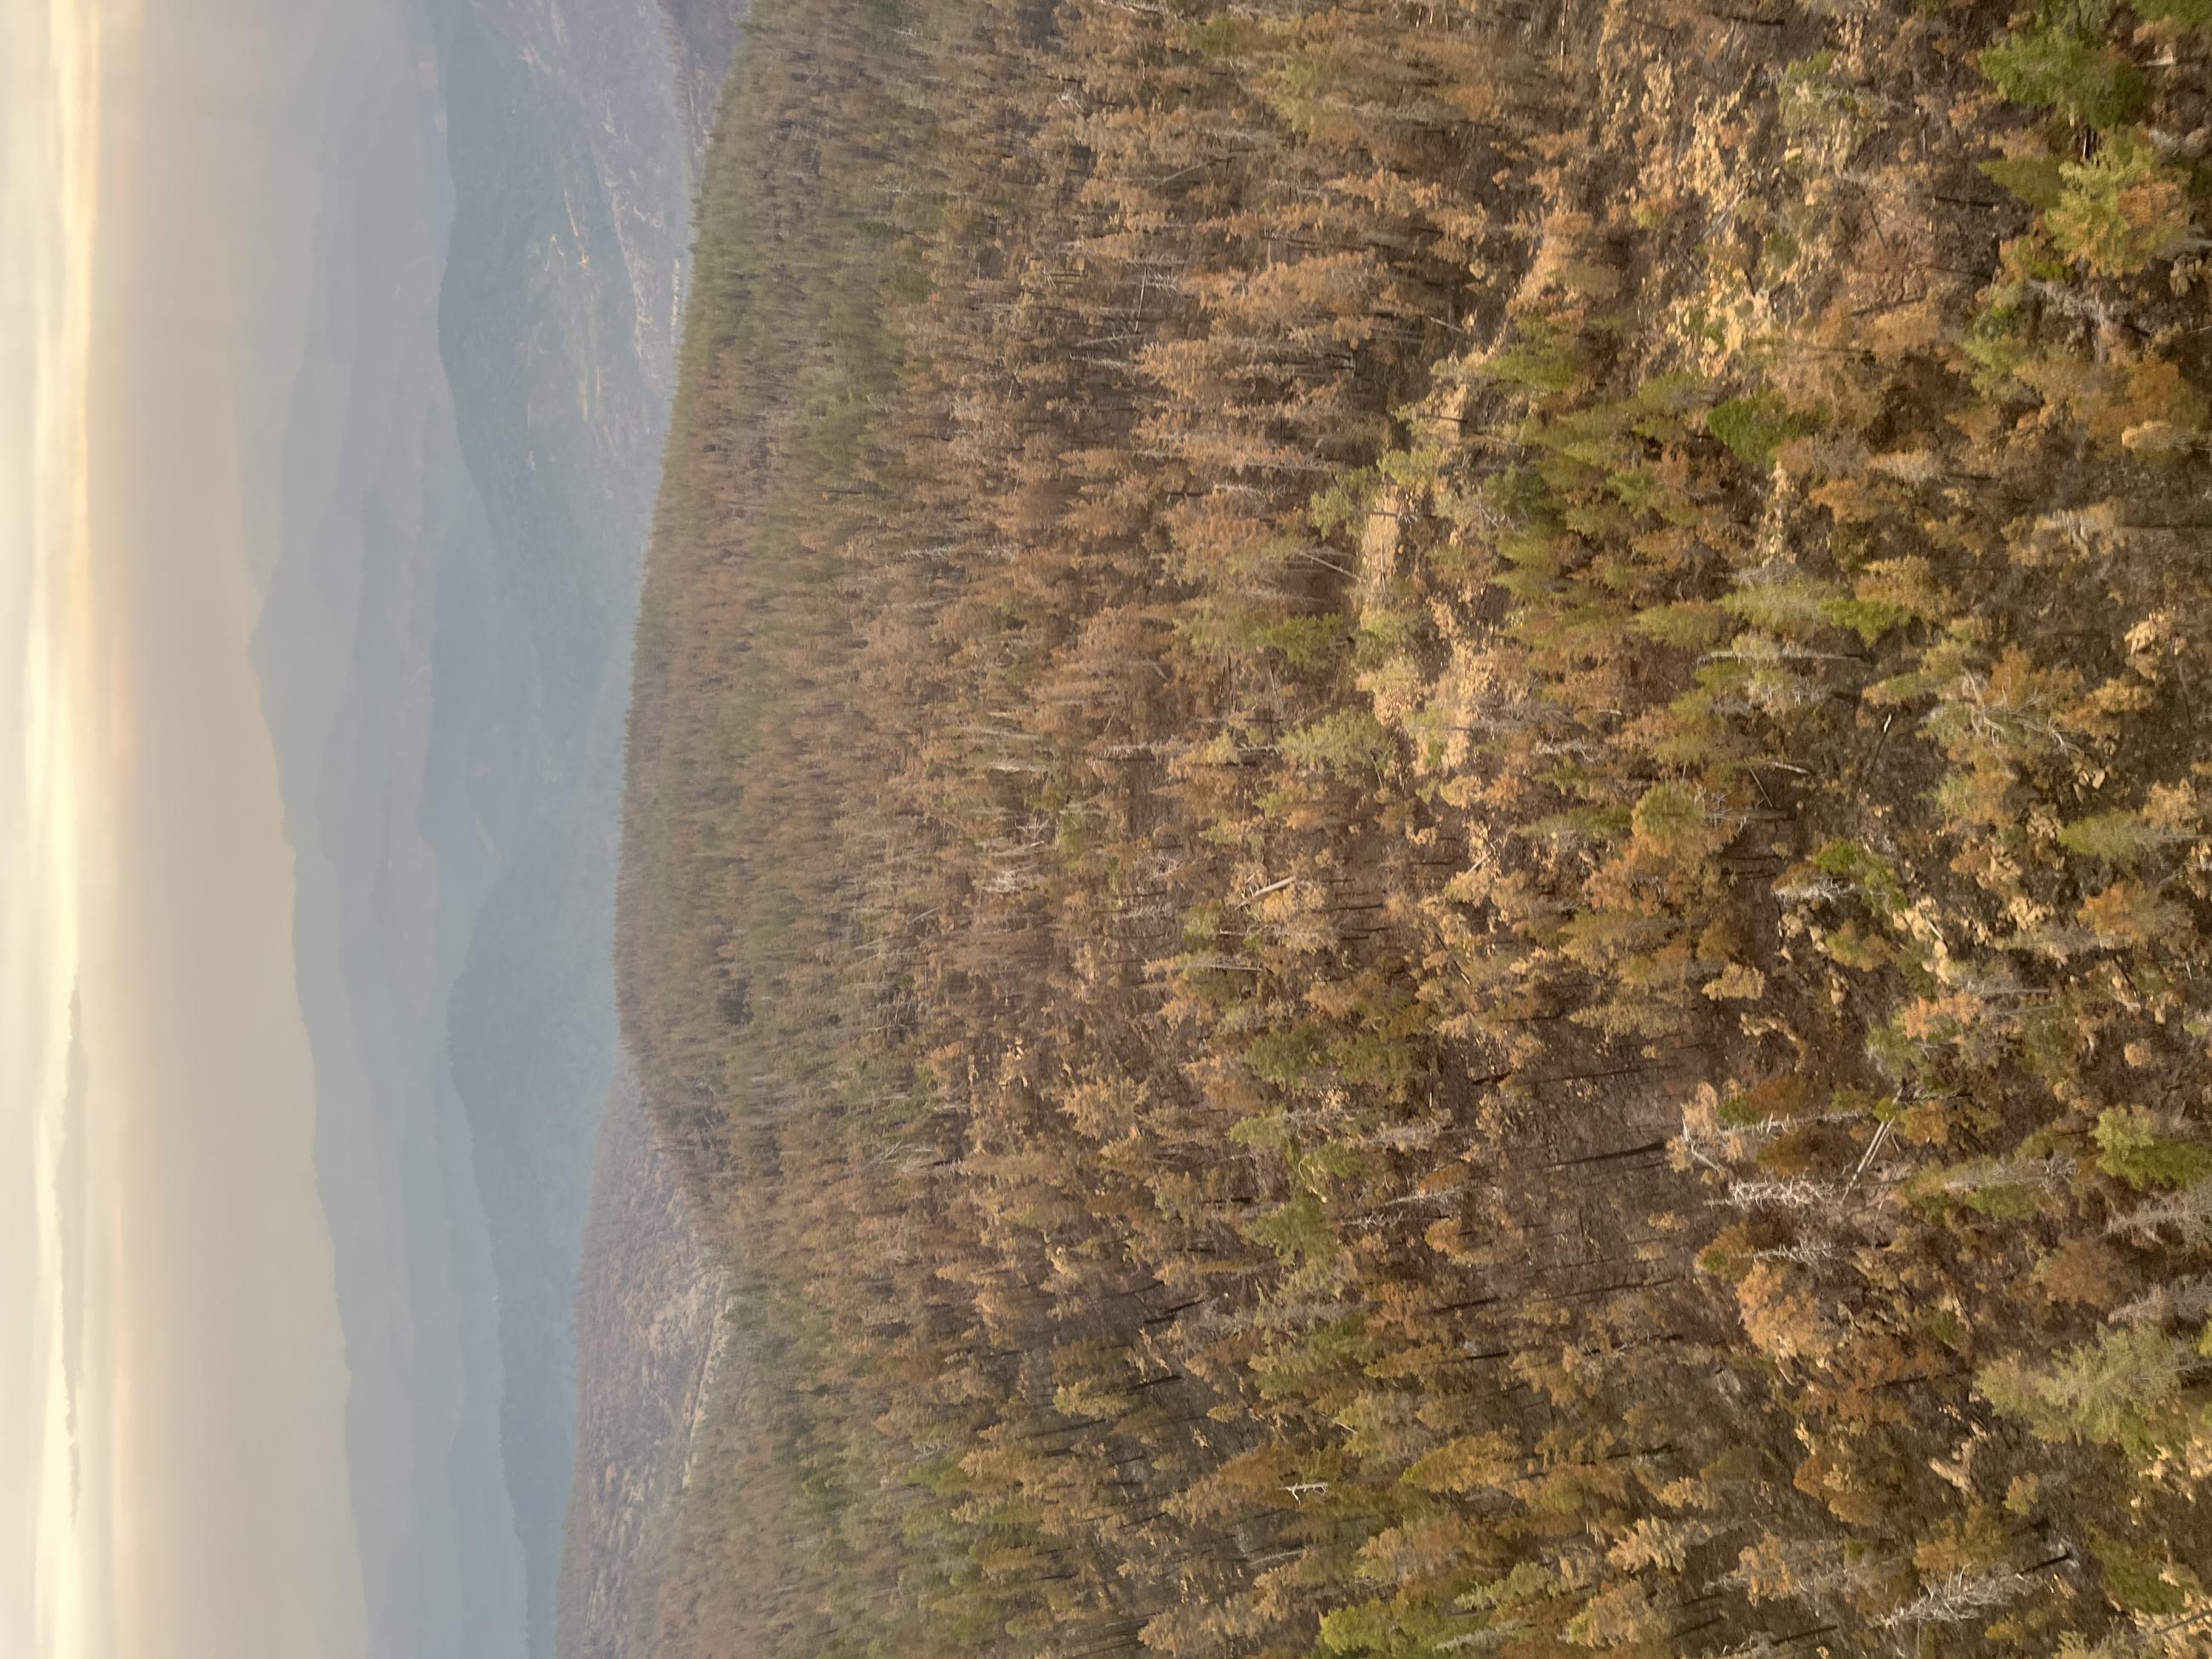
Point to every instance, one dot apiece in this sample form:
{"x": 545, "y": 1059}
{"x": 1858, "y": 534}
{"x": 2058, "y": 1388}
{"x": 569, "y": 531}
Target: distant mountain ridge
{"x": 444, "y": 654}
{"x": 650, "y": 1299}
{"x": 648, "y": 1314}
{"x": 557, "y": 323}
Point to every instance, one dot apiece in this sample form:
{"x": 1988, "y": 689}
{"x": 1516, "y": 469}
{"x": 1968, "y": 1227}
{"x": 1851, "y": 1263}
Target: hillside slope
{"x": 1413, "y": 850}
{"x": 648, "y": 1295}
{"x": 646, "y": 1317}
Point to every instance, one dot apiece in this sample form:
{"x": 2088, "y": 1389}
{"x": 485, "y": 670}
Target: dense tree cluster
{"x": 1416, "y": 829}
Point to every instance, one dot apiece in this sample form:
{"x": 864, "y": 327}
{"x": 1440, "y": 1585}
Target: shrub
{"x": 2049, "y": 68}
{"x": 1348, "y": 743}
{"x": 2190, "y": 14}
{"x": 2035, "y": 179}
{"x": 2108, "y": 1393}
{"x": 1754, "y": 428}
{"x": 2121, "y": 210}
{"x": 2134, "y": 1150}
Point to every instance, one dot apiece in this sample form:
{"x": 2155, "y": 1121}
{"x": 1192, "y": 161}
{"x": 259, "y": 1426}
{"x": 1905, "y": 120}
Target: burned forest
{"x": 1416, "y": 854}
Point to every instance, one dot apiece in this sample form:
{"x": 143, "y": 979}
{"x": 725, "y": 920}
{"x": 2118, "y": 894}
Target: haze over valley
{"x": 470, "y": 451}
{"x": 383, "y": 297}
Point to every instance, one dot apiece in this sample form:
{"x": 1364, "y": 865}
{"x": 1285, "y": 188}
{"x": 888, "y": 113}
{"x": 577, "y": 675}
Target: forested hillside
{"x": 1417, "y": 829}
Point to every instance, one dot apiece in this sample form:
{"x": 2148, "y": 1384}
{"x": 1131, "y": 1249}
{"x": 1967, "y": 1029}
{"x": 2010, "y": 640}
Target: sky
{"x": 172, "y": 1477}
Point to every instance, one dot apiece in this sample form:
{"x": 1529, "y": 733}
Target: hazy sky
{"x": 172, "y": 1479}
